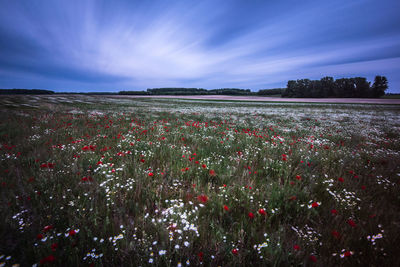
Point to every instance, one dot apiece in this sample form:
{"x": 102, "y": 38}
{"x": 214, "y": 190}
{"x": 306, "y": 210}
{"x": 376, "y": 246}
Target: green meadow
{"x": 103, "y": 181}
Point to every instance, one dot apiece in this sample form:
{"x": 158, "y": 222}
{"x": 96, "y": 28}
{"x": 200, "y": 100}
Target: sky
{"x": 95, "y": 46}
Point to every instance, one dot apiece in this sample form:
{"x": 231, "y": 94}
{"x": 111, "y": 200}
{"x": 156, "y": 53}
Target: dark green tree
{"x": 290, "y": 89}
{"x": 327, "y": 85}
{"x": 379, "y": 87}
{"x": 361, "y": 88}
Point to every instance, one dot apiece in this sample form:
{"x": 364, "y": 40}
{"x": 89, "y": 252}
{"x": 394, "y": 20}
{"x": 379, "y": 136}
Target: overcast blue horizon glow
{"x": 83, "y": 46}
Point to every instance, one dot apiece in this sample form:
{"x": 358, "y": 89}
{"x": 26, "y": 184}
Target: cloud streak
{"x": 98, "y": 45}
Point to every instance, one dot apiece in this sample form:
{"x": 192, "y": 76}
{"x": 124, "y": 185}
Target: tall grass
{"x": 170, "y": 183}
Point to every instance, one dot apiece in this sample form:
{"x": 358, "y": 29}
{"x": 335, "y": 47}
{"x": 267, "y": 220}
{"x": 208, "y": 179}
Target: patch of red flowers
{"x": 87, "y": 179}
{"x": 296, "y": 247}
{"x": 334, "y": 212}
{"x": 202, "y": 198}
{"x": 47, "y": 165}
{"x": 87, "y": 148}
{"x": 212, "y": 173}
{"x": 235, "y": 251}
{"x": 226, "y": 208}
{"x": 251, "y": 215}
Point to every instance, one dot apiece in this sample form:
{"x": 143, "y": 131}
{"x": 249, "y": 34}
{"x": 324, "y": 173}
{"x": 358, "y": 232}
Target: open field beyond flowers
{"x": 102, "y": 181}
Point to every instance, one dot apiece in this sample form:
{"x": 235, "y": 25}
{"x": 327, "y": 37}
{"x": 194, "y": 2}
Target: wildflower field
{"x": 102, "y": 181}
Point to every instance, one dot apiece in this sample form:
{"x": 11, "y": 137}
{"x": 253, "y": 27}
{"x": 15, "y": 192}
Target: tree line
{"x": 344, "y": 87}
{"x": 189, "y": 91}
{"x": 25, "y": 92}
{"x": 325, "y": 87}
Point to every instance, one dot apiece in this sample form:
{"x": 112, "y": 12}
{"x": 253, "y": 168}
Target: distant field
{"x": 396, "y": 96}
{"x": 388, "y": 100}
{"x": 128, "y": 181}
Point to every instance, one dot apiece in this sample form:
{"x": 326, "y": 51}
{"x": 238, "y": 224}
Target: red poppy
{"x": 336, "y": 234}
{"x": 47, "y": 259}
{"x": 204, "y": 166}
{"x": 151, "y": 174}
{"x": 296, "y": 247}
{"x": 86, "y": 178}
{"x": 51, "y": 165}
{"x": 341, "y": 179}
{"x": 72, "y": 232}
{"x": 298, "y": 177}
{"x": 47, "y": 165}
{"x": 334, "y": 212}
{"x": 212, "y": 172}
{"x": 202, "y": 198}
{"x": 351, "y": 223}
{"x": 314, "y": 204}
{"x": 347, "y": 254}
{"x": 54, "y": 246}
{"x": 200, "y": 255}
{"x": 251, "y": 215}
{"x": 313, "y": 258}
{"x": 262, "y": 212}
{"x": 235, "y": 251}
{"x": 226, "y": 208}
{"x": 47, "y": 228}
{"x": 39, "y": 236}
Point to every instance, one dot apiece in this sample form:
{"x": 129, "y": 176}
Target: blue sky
{"x": 134, "y": 45}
